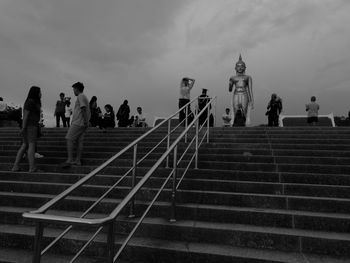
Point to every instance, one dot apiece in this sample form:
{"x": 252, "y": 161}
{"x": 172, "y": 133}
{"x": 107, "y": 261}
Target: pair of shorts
{"x": 30, "y": 134}
{"x": 312, "y": 119}
{"x": 76, "y": 132}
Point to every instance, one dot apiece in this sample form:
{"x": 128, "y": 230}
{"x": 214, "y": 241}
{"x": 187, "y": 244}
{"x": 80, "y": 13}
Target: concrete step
{"x": 169, "y": 250}
{"x": 225, "y": 186}
{"x": 252, "y": 200}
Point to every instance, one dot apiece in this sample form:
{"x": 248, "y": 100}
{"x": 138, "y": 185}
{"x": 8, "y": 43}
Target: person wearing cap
{"x": 185, "y": 89}
{"x": 203, "y": 100}
{"x": 79, "y": 125}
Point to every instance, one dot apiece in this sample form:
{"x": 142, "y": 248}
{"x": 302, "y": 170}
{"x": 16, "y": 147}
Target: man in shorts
{"x": 79, "y": 125}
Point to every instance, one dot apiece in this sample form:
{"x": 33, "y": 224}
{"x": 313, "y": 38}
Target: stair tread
{"x": 206, "y": 248}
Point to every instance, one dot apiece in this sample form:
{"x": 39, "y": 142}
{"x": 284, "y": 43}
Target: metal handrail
{"x": 65, "y": 193}
{"x": 38, "y": 216}
{"x": 173, "y": 173}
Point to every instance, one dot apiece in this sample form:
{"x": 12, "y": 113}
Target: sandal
{"x": 35, "y": 170}
{"x": 15, "y": 169}
{"x": 66, "y": 165}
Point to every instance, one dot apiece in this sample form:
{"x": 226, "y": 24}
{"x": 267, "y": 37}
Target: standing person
{"x": 185, "y": 89}
{"x": 123, "y": 114}
{"x": 60, "y": 110}
{"x": 274, "y": 108}
{"x": 226, "y": 117}
{"x": 68, "y": 112}
{"x": 30, "y": 129}
{"x": 96, "y": 112}
{"x": 312, "y": 111}
{"x": 79, "y": 125}
{"x": 203, "y": 100}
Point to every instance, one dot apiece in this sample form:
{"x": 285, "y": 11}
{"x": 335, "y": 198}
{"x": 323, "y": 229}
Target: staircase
{"x": 261, "y": 195}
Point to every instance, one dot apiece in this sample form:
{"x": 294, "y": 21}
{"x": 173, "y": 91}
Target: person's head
{"x": 139, "y": 110}
{"x": 35, "y": 94}
{"x": 185, "y": 81}
{"x": 108, "y": 108}
{"x": 273, "y": 96}
{"x": 125, "y": 102}
{"x": 93, "y": 102}
{"x": 78, "y": 88}
{"x": 67, "y": 102}
{"x": 313, "y": 98}
{"x": 62, "y": 96}
{"x": 204, "y": 91}
{"x": 240, "y": 66}
{"x": 227, "y": 110}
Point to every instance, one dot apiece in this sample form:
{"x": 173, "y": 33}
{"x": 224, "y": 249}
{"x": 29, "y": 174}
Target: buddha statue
{"x": 242, "y": 99}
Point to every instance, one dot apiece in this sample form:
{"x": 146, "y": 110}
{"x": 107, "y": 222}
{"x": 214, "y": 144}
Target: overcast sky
{"x": 140, "y": 49}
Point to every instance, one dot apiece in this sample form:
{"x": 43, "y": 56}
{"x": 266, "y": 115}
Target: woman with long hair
{"x": 96, "y": 112}
{"x": 30, "y": 128}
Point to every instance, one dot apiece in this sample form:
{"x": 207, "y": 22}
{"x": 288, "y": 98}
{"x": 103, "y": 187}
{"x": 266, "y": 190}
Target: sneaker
{"x": 38, "y": 155}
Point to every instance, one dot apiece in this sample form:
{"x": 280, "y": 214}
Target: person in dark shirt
{"x": 123, "y": 115}
{"x": 274, "y": 108}
{"x": 108, "y": 120}
{"x": 203, "y": 100}
{"x": 60, "y": 111}
{"x": 30, "y": 129}
{"x": 96, "y": 112}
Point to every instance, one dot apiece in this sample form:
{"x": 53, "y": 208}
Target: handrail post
{"x": 110, "y": 242}
{"x": 196, "y": 149}
{"x": 215, "y": 112}
{"x": 39, "y": 229}
{"x": 168, "y": 144}
{"x": 186, "y": 122}
{"x": 133, "y": 182}
{"x": 208, "y": 122}
{"x": 173, "y": 193}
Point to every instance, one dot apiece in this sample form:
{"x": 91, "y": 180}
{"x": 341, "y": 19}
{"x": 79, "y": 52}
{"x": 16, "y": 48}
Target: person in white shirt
{"x": 3, "y": 105}
{"x": 140, "y": 119}
{"x": 312, "y": 111}
{"x": 68, "y": 112}
{"x": 226, "y": 117}
{"x": 185, "y": 89}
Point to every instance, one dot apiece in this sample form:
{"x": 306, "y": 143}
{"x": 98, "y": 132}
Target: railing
{"x": 40, "y": 217}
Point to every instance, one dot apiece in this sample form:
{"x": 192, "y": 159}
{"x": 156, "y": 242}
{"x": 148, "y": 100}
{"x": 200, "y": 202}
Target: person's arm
{"x": 250, "y": 87}
{"x": 54, "y": 114}
{"x": 191, "y": 83}
{"x": 25, "y": 119}
{"x": 85, "y": 115}
{"x": 269, "y": 105}
{"x": 230, "y": 85}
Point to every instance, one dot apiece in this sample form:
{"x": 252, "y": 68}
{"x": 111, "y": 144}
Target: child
{"x": 68, "y": 112}
{"x": 227, "y": 118}
{"x": 312, "y": 111}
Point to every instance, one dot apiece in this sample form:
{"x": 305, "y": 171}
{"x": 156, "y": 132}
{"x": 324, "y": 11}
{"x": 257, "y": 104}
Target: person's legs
{"x": 31, "y": 157}
{"x": 57, "y": 120}
{"x": 79, "y": 150}
{"x": 70, "y": 149}
{"x": 19, "y": 156}
{"x": 71, "y": 138}
{"x": 63, "y": 119}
